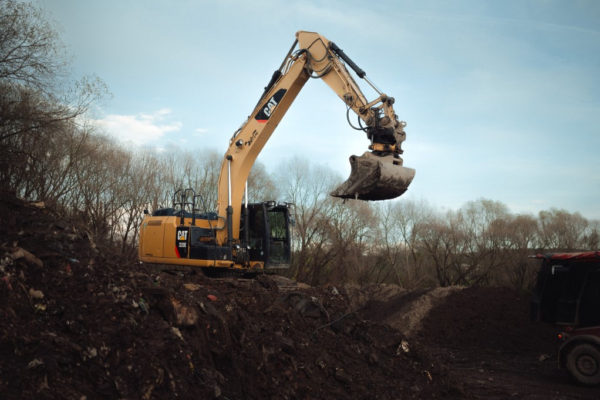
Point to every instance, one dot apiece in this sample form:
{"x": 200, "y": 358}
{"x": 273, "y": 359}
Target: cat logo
{"x": 270, "y": 106}
{"x": 182, "y": 235}
{"x": 267, "y": 108}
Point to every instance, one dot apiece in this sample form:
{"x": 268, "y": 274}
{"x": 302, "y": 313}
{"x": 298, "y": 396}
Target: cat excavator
{"x": 255, "y": 237}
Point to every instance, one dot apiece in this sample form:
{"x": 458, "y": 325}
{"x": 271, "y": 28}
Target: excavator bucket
{"x": 375, "y": 178}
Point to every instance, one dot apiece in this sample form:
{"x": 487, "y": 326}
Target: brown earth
{"x": 77, "y": 323}
{"x": 485, "y": 339}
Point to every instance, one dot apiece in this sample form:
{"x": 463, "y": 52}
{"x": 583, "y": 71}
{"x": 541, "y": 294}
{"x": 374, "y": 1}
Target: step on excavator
{"x": 256, "y": 237}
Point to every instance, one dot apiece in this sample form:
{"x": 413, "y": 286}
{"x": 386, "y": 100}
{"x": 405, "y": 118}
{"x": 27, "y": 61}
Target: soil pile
{"x": 79, "y": 324}
{"x": 487, "y": 319}
{"x": 405, "y": 311}
{"x": 486, "y": 339}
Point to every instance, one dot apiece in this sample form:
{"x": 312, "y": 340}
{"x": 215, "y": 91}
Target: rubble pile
{"x": 79, "y": 323}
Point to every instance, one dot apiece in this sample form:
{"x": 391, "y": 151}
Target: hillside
{"x": 77, "y": 323}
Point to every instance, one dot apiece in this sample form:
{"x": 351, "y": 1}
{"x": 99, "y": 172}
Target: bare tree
{"x": 37, "y": 109}
{"x": 522, "y": 239}
{"x": 307, "y": 187}
{"x": 139, "y": 187}
{"x": 261, "y": 186}
{"x": 352, "y": 236}
{"x": 398, "y": 249}
{"x": 561, "y": 230}
{"x": 31, "y": 53}
{"x": 480, "y": 244}
{"x": 465, "y": 246}
{"x": 440, "y": 242}
{"x": 591, "y": 237}
{"x": 33, "y": 71}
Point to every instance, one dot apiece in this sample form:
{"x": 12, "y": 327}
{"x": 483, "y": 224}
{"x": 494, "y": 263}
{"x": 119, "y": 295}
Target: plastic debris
{"x": 36, "y": 294}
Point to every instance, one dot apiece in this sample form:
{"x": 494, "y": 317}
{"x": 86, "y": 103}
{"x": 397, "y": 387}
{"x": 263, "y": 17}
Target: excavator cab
{"x": 265, "y": 228}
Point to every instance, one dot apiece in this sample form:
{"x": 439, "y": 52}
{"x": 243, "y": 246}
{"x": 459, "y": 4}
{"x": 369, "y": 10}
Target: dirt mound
{"x": 76, "y": 323}
{"x": 493, "y": 318}
{"x": 360, "y": 296}
{"x": 486, "y": 339}
{"x": 406, "y": 311}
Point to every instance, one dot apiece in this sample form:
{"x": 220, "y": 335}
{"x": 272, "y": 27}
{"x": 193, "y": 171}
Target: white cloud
{"x": 200, "y": 131}
{"x": 141, "y": 128}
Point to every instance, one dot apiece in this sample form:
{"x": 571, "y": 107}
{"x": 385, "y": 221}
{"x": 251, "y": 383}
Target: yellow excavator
{"x": 256, "y": 236}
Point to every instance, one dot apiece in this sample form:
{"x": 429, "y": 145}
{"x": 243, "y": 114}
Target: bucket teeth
{"x": 374, "y": 177}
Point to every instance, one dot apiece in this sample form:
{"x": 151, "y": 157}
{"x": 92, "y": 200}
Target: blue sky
{"x": 501, "y": 98}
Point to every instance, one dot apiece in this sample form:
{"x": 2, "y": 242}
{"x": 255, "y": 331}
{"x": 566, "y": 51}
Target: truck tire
{"x": 583, "y": 363}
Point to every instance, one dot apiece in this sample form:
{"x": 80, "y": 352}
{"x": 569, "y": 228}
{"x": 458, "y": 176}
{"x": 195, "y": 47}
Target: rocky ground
{"x": 78, "y": 323}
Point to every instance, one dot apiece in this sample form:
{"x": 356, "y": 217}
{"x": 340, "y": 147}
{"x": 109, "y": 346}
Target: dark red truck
{"x": 567, "y": 294}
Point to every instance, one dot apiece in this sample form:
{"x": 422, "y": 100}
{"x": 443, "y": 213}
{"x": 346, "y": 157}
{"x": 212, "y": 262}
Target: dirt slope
{"x": 77, "y": 324}
{"x": 485, "y": 339}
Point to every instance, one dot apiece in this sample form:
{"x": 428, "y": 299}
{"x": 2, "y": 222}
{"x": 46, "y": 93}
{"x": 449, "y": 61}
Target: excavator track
{"x": 231, "y": 273}
{"x": 209, "y": 272}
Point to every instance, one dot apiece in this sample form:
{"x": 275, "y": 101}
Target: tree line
{"x": 414, "y": 245}
{"x": 50, "y": 151}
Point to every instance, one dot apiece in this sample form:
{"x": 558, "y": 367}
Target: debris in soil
{"x": 77, "y": 322}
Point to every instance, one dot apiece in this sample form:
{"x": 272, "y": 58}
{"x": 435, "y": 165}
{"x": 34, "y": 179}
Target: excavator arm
{"x": 376, "y": 175}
